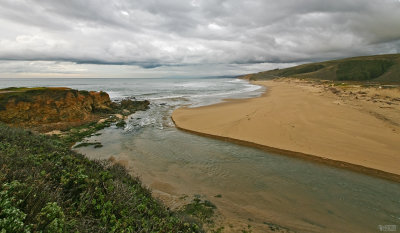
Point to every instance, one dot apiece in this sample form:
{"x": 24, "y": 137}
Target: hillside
{"x": 379, "y": 68}
{"x": 46, "y": 187}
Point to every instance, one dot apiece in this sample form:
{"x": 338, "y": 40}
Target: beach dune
{"x": 301, "y": 120}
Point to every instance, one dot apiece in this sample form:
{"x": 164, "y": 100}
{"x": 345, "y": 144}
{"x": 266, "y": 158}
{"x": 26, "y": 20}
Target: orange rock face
{"x": 51, "y": 105}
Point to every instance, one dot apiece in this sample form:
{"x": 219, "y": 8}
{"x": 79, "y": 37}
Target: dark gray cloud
{"x": 154, "y": 33}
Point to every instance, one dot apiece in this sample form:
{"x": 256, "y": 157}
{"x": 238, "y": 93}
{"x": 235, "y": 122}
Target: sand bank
{"x": 309, "y": 120}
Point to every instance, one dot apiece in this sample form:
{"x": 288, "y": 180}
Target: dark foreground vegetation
{"x": 380, "y": 68}
{"x": 46, "y": 187}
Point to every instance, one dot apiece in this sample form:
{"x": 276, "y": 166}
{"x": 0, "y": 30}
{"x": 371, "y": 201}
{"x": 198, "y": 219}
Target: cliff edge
{"x": 44, "y": 106}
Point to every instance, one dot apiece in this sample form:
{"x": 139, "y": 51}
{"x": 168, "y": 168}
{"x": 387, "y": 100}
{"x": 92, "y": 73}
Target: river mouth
{"x": 269, "y": 192}
{"x": 249, "y": 186}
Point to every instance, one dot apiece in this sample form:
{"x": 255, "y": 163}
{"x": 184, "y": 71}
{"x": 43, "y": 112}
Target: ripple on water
{"x": 266, "y": 187}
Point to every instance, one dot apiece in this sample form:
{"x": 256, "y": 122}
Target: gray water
{"x": 257, "y": 188}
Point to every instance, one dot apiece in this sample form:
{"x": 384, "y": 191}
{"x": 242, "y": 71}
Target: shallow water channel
{"x": 264, "y": 190}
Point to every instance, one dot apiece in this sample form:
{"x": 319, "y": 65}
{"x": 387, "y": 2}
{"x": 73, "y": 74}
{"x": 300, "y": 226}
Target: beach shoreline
{"x": 244, "y": 121}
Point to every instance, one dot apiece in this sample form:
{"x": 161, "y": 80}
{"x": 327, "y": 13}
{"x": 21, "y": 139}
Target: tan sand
{"x": 308, "y": 120}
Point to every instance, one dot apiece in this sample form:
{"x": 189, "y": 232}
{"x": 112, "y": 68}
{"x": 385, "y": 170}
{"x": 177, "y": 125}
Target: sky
{"x": 187, "y": 38}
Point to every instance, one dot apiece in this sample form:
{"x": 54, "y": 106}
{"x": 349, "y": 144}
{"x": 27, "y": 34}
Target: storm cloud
{"x": 234, "y": 36}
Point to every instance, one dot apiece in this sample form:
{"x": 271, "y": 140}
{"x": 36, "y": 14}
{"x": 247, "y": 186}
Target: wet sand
{"x": 267, "y": 191}
{"x": 308, "y": 120}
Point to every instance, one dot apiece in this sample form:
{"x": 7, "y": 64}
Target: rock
{"x": 45, "y": 109}
{"x": 101, "y": 121}
{"x": 54, "y": 132}
{"x": 50, "y": 105}
{"x": 119, "y": 116}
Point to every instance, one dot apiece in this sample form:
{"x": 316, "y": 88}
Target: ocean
{"x": 193, "y": 91}
{"x": 248, "y": 186}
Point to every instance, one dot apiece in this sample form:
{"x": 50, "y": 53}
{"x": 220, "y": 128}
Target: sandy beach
{"x": 353, "y": 127}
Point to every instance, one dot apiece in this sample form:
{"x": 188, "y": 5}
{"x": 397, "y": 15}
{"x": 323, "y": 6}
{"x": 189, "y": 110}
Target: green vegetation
{"x": 380, "y": 68}
{"x": 46, "y": 187}
{"x": 359, "y": 70}
{"x": 302, "y": 69}
{"x": 276, "y": 227}
{"x": 120, "y": 124}
{"x": 20, "y": 89}
{"x": 84, "y": 144}
{"x": 77, "y": 134}
{"x": 74, "y": 134}
{"x": 200, "y": 209}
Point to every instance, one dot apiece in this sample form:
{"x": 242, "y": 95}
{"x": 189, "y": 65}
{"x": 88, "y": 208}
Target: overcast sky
{"x": 150, "y": 38}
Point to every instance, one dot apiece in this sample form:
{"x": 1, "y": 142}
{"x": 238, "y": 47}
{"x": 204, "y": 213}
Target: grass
{"x": 200, "y": 209}
{"x": 361, "y": 70}
{"x": 23, "y": 89}
{"x": 77, "y": 134}
{"x": 84, "y": 144}
{"x": 379, "y": 68}
{"x": 46, "y": 187}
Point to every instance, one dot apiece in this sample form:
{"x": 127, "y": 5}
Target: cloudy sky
{"x": 163, "y": 38}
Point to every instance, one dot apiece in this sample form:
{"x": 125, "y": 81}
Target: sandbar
{"x": 345, "y": 128}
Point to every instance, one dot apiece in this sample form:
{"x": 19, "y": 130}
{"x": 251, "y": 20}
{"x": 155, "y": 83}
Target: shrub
{"x": 46, "y": 187}
{"x": 11, "y": 217}
{"x": 121, "y": 124}
{"x": 202, "y": 210}
{"x": 51, "y": 218}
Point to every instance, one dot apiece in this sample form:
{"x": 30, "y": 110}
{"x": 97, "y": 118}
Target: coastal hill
{"x": 48, "y": 108}
{"x": 378, "y": 68}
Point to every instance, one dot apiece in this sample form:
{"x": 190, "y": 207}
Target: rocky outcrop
{"x": 50, "y": 105}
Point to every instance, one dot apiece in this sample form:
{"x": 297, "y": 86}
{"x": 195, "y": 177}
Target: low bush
{"x": 200, "y": 209}
{"x": 46, "y": 187}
